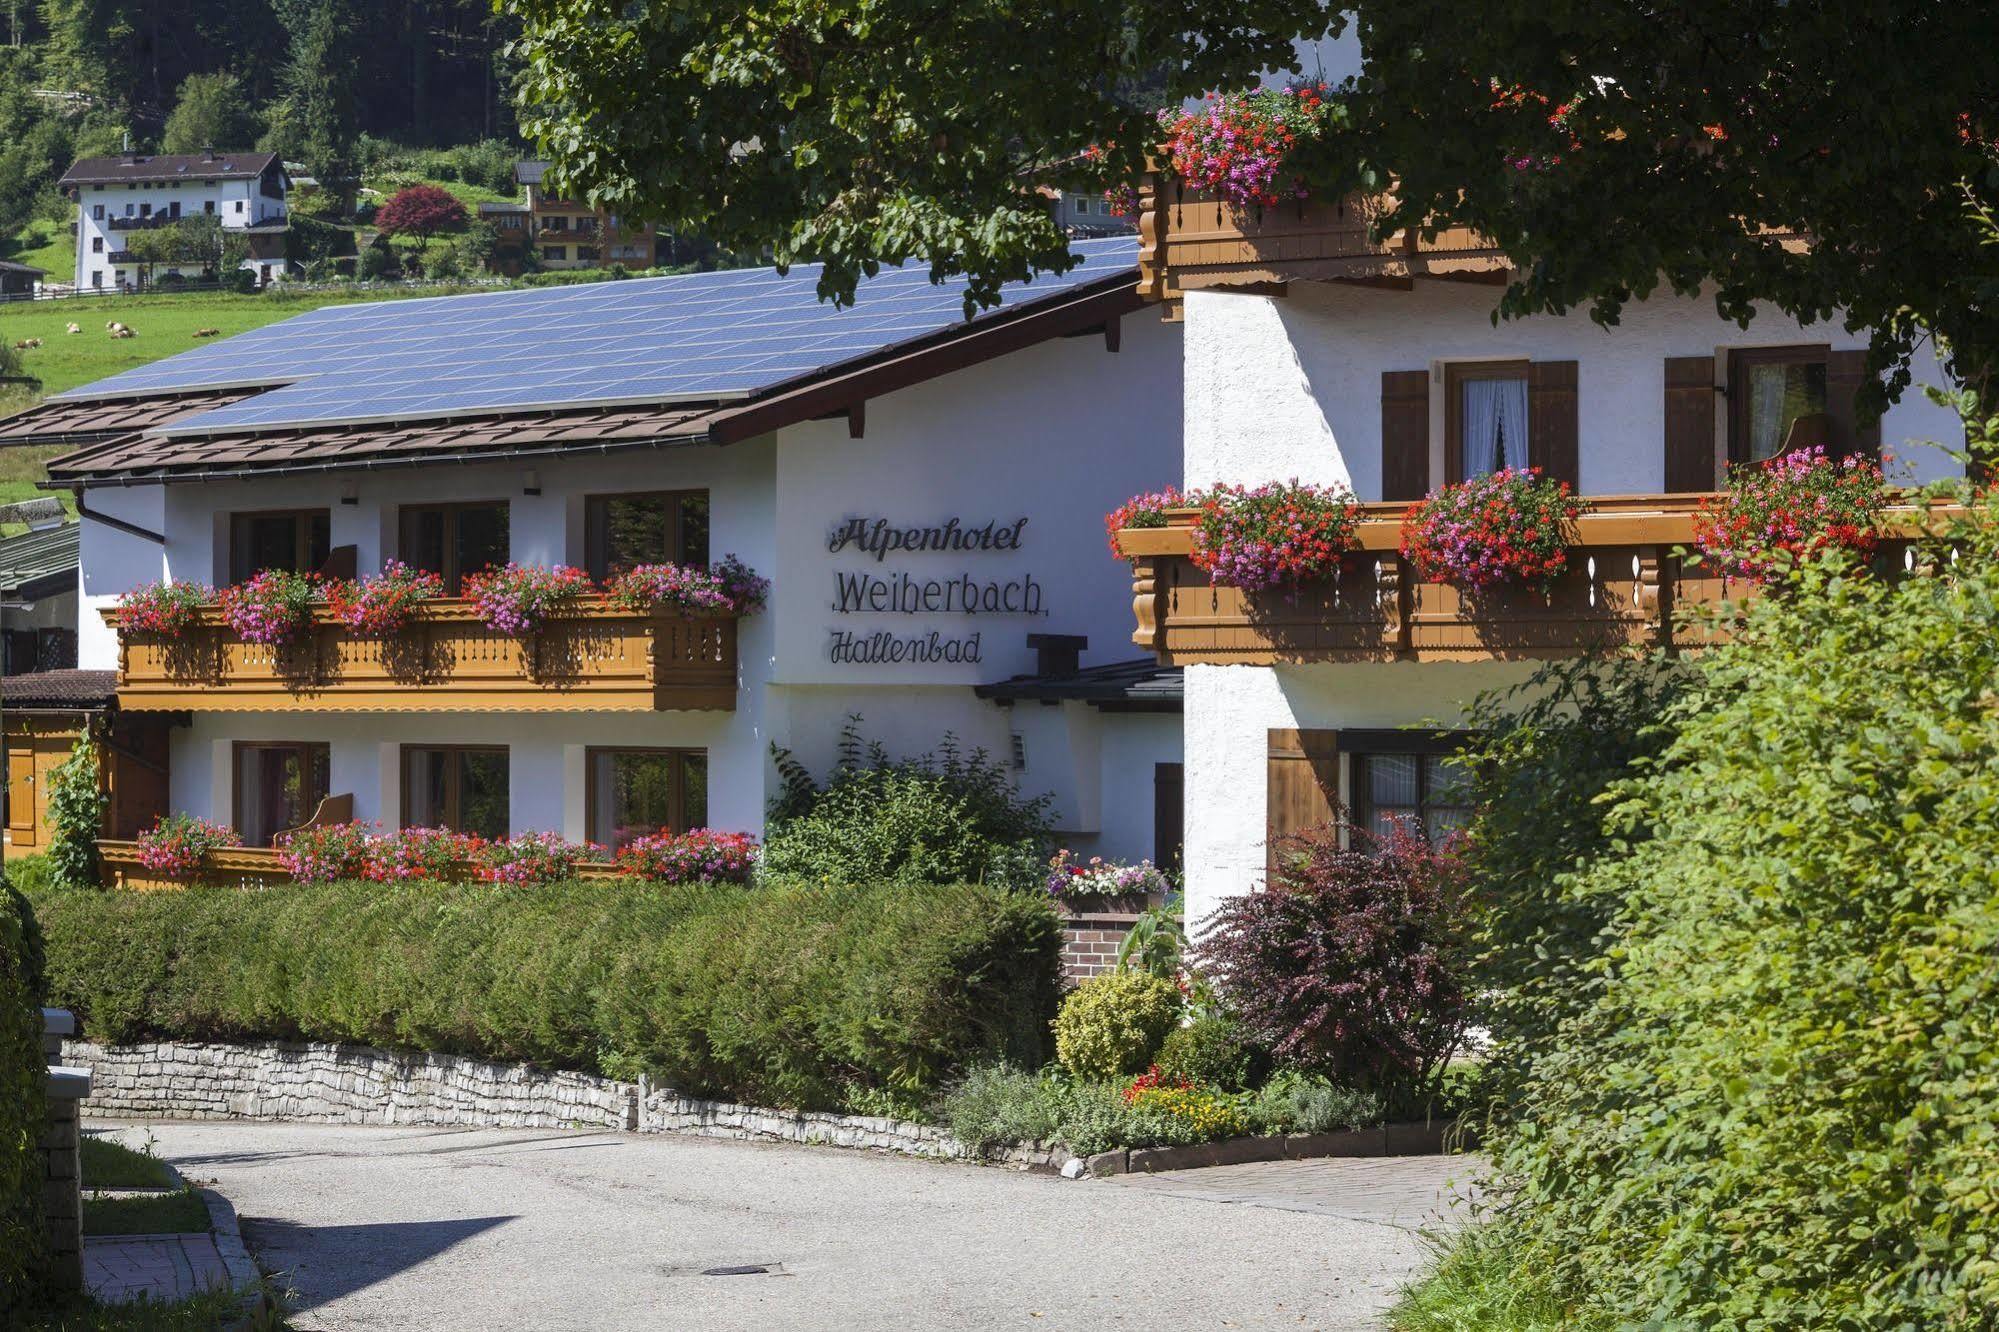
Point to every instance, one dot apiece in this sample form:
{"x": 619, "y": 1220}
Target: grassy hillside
{"x": 46, "y": 245}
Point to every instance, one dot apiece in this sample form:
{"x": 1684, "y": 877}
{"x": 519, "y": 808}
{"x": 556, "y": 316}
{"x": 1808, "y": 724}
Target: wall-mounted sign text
{"x": 901, "y": 592}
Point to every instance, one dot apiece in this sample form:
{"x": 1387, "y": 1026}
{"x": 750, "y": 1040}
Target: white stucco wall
{"x": 1282, "y": 387}
{"x": 191, "y": 193}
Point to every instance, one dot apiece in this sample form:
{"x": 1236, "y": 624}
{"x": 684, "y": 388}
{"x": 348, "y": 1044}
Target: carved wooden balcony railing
{"x": 250, "y": 867}
{"x": 1188, "y": 240}
{"x": 1625, "y": 587}
{"x": 594, "y": 658}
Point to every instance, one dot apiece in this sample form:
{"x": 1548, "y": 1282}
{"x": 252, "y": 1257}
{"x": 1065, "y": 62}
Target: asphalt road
{"x": 415, "y": 1228}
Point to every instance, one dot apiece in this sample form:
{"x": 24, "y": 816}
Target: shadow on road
{"x": 323, "y": 1263}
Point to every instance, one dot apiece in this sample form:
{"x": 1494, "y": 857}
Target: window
{"x": 97, "y": 245}
{"x": 653, "y": 527}
{"x": 239, "y": 206}
{"x": 636, "y": 792}
{"x": 1773, "y": 391}
{"x": 586, "y": 252}
{"x": 128, "y": 210}
{"x": 1428, "y": 791}
{"x": 1082, "y": 202}
{"x": 295, "y": 540}
{"x": 97, "y": 277}
{"x": 208, "y": 206}
{"x": 452, "y": 540}
{"x": 97, "y": 212}
{"x": 145, "y": 210}
{"x": 1486, "y": 418}
{"x": 278, "y": 786}
{"x": 556, "y": 252}
{"x": 460, "y": 787}
{"x": 557, "y": 224}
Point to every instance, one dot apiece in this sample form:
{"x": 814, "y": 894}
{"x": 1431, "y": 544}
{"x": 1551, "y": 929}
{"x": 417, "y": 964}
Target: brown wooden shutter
{"x": 1552, "y": 431}
{"x": 1303, "y": 784}
{"x": 1845, "y": 372}
{"x": 1405, "y": 434}
{"x": 1690, "y": 443}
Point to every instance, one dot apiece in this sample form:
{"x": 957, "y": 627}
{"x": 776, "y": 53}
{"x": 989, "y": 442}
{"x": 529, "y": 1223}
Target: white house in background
{"x": 132, "y": 192}
{"x": 1312, "y": 353}
{"x": 924, "y": 493}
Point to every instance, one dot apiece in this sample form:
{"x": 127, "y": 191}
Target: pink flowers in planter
{"x": 362, "y": 851}
{"x": 178, "y": 844}
{"x": 530, "y": 858}
{"x": 383, "y": 605}
{"x": 1511, "y": 526}
{"x": 1280, "y": 534}
{"x": 1142, "y": 511}
{"x": 324, "y": 855}
{"x": 272, "y": 607}
{"x": 519, "y": 598}
{"x": 1788, "y": 509}
{"x": 700, "y": 855}
{"x": 1242, "y": 146}
{"x": 729, "y": 586}
{"x": 166, "y": 609}
{"x": 419, "y": 855}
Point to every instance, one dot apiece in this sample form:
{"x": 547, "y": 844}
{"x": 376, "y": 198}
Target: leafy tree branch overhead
{"x": 1612, "y": 150}
{"x": 864, "y": 132}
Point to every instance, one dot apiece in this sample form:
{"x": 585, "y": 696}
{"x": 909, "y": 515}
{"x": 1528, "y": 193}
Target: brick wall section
{"x": 1090, "y": 942}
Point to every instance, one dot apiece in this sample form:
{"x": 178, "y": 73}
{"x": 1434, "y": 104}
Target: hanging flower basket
{"x": 1790, "y": 509}
{"x": 1512, "y": 527}
{"x": 1244, "y": 147}
{"x": 1280, "y": 534}
{"x": 271, "y": 608}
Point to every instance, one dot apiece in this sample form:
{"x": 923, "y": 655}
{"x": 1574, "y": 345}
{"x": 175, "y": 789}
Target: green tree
{"x": 211, "y": 113}
{"x": 873, "y": 131}
{"x": 318, "y": 119}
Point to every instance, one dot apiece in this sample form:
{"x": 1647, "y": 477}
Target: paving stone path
{"x": 424, "y": 1228}
{"x": 163, "y": 1268}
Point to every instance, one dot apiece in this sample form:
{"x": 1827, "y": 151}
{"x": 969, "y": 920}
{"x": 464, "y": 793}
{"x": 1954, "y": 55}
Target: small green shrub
{"x": 1213, "y": 1049}
{"x": 787, "y": 996}
{"x": 1112, "y": 1026}
{"x": 1297, "y": 1102}
{"x": 77, "y": 800}
{"x": 950, "y": 817}
{"x": 995, "y": 1105}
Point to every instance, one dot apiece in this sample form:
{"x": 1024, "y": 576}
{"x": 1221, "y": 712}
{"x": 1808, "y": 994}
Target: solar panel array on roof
{"x": 698, "y": 336}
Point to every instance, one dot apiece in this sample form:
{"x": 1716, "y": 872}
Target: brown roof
{"x": 135, "y": 168}
{"x": 135, "y": 455}
{"x": 59, "y": 689}
{"x": 62, "y": 422}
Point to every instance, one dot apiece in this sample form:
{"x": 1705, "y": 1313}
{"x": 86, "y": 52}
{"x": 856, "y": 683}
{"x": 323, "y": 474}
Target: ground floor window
{"x": 460, "y": 787}
{"x": 279, "y": 783}
{"x": 635, "y": 792}
{"x": 1425, "y": 791}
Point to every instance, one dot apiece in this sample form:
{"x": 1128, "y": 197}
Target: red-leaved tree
{"x": 1352, "y": 962}
{"x": 420, "y": 212}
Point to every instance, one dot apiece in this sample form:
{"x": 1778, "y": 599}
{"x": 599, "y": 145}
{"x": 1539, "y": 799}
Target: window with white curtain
{"x": 1492, "y": 423}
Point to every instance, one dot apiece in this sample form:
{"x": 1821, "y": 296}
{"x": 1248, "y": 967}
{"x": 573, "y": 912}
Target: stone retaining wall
{"x": 317, "y": 1083}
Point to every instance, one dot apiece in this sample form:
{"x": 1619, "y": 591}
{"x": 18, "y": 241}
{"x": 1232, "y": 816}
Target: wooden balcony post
{"x": 1145, "y": 605}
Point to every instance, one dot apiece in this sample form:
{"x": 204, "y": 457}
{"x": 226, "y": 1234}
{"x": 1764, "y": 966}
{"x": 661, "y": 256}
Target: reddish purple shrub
{"x": 1352, "y": 962}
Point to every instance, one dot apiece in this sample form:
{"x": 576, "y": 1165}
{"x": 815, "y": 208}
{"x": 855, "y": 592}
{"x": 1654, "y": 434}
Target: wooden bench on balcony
{"x": 596, "y": 658}
{"x": 1625, "y": 587}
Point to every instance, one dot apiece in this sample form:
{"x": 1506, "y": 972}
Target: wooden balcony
{"x": 1625, "y": 588}
{"x": 249, "y": 867}
{"x": 596, "y": 658}
{"x": 1189, "y": 240}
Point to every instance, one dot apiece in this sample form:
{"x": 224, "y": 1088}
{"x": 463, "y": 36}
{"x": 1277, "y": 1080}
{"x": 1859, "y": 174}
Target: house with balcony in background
{"x": 924, "y": 493}
{"x": 1315, "y": 352}
{"x": 563, "y": 233}
{"x": 120, "y": 196}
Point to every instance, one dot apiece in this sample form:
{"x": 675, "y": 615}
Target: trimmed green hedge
{"x": 790, "y": 996}
{"x": 21, "y": 1107}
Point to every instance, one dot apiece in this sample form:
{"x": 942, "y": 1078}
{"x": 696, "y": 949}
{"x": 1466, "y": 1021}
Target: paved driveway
{"x": 414, "y": 1228}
